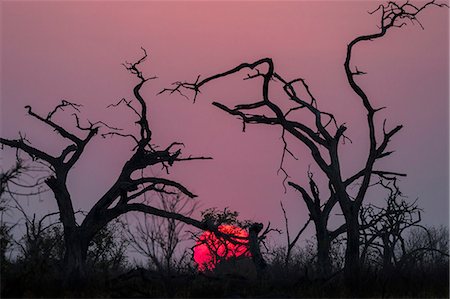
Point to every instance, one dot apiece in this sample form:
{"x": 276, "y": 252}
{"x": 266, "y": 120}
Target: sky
{"x": 73, "y": 50}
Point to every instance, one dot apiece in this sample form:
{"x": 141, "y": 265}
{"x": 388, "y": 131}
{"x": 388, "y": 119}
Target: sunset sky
{"x": 74, "y": 50}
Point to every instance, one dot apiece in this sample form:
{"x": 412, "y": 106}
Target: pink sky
{"x": 73, "y": 50}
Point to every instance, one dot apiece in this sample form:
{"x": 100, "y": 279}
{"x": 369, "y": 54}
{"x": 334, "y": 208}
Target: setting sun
{"x": 209, "y": 249}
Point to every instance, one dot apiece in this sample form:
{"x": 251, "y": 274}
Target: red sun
{"x": 209, "y": 249}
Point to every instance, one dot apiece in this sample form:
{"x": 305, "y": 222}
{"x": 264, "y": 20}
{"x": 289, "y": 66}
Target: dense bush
{"x": 37, "y": 267}
{"x": 36, "y": 272}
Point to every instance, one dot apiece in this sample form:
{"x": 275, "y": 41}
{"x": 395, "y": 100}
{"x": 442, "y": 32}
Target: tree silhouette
{"x": 158, "y": 238}
{"x": 323, "y": 138}
{"x": 383, "y": 227}
{"x": 319, "y": 213}
{"x": 124, "y": 195}
{"x": 127, "y": 192}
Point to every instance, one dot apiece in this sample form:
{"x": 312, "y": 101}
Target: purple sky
{"x": 73, "y": 50}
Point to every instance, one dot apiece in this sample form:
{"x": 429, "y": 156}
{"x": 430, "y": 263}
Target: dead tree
{"x": 158, "y": 238}
{"x": 425, "y": 247}
{"x": 386, "y": 229}
{"x": 325, "y": 135}
{"x": 125, "y": 194}
{"x": 319, "y": 213}
{"x": 383, "y": 228}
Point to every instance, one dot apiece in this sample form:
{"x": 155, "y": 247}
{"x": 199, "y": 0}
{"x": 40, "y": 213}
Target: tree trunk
{"x": 352, "y": 260}
{"x": 323, "y": 252}
{"x": 387, "y": 255}
{"x": 257, "y": 257}
{"x": 76, "y": 247}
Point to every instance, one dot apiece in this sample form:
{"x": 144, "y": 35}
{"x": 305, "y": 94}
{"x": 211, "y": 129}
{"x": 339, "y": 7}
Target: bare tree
{"x": 319, "y": 213}
{"x": 125, "y": 194}
{"x": 323, "y": 138}
{"x": 425, "y": 247}
{"x": 383, "y": 228}
{"x": 158, "y": 238}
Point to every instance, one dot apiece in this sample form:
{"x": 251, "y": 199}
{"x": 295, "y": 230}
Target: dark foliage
{"x": 422, "y": 271}
{"x": 36, "y": 269}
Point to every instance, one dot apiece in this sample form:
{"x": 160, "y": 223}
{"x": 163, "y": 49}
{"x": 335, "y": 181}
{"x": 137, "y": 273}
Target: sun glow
{"x": 210, "y": 250}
